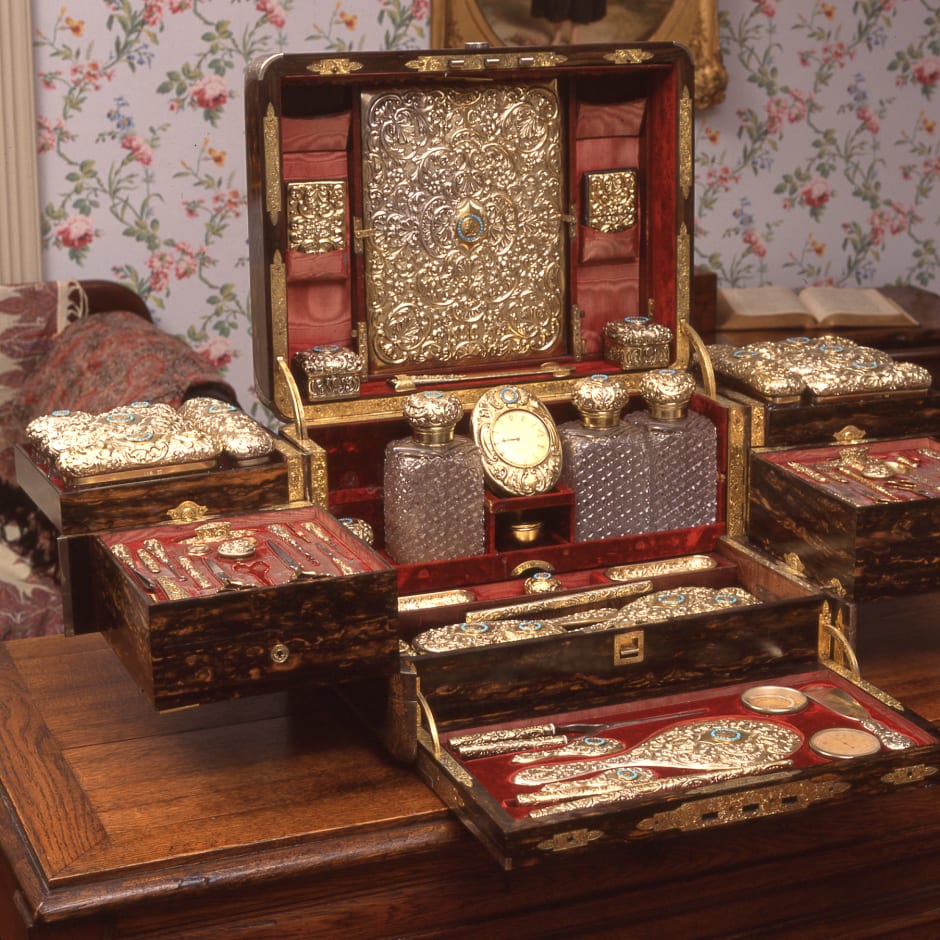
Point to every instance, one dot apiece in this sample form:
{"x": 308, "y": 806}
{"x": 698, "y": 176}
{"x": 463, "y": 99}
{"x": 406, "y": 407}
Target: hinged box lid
{"x": 460, "y": 212}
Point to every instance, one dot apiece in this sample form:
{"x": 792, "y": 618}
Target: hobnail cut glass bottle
{"x": 433, "y": 485}
{"x": 606, "y": 463}
{"x": 683, "y": 451}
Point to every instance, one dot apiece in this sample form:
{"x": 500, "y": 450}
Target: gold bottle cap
{"x": 667, "y": 393}
{"x": 360, "y": 528}
{"x": 600, "y": 399}
{"x": 433, "y": 415}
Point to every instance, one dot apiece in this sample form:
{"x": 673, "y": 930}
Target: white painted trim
{"x": 20, "y": 241}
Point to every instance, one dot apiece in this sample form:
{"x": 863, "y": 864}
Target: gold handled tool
{"x": 408, "y": 383}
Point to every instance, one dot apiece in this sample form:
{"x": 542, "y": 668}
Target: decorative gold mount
{"x": 477, "y": 62}
{"x": 901, "y": 776}
{"x": 575, "y": 839}
{"x": 834, "y": 647}
{"x": 188, "y": 511}
{"x": 610, "y": 200}
{"x": 749, "y": 804}
{"x": 629, "y": 56}
{"x": 272, "y": 164}
{"x": 316, "y": 216}
{"x": 686, "y": 168}
{"x": 334, "y": 67}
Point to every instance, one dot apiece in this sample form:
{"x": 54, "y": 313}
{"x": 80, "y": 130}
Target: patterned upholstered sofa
{"x": 83, "y": 345}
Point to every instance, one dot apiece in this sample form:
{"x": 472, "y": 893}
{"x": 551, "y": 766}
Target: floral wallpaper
{"x": 822, "y": 164}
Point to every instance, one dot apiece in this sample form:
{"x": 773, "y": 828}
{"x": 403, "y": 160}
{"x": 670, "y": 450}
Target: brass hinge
{"x": 360, "y": 234}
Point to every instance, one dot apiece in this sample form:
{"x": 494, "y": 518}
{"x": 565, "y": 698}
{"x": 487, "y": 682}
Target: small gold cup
{"x": 526, "y": 533}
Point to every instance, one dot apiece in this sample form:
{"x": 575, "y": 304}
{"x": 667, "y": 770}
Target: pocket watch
{"x": 518, "y": 441}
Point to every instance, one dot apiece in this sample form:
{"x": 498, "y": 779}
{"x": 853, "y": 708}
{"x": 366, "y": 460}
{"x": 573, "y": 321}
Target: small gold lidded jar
{"x": 331, "y": 372}
{"x": 637, "y": 343}
{"x": 433, "y": 485}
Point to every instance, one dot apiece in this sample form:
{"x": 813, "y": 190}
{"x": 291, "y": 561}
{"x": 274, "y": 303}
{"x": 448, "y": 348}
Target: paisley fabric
{"x": 113, "y": 359}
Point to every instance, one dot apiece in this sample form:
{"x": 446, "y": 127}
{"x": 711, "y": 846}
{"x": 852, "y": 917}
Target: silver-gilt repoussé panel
{"x": 463, "y": 200}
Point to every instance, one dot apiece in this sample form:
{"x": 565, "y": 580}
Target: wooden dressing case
{"x": 407, "y": 214}
{"x": 491, "y": 242}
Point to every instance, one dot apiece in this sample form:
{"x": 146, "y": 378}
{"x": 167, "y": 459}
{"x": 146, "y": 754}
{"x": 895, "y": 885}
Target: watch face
{"x": 518, "y": 441}
{"x": 844, "y": 743}
{"x": 521, "y": 439}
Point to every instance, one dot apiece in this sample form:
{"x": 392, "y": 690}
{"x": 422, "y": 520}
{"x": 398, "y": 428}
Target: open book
{"x": 762, "y": 308}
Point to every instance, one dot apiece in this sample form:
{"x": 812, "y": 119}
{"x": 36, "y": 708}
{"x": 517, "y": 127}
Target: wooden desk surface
{"x": 270, "y": 819}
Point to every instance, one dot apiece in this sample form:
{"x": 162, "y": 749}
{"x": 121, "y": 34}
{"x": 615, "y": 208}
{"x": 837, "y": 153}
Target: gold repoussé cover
{"x": 464, "y": 223}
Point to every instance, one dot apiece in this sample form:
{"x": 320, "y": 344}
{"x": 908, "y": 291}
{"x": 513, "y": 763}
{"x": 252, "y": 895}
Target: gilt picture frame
{"x": 694, "y": 23}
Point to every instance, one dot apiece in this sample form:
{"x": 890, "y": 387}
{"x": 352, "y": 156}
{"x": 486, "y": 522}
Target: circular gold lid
{"x": 667, "y": 393}
{"x": 600, "y": 399}
{"x": 433, "y": 415}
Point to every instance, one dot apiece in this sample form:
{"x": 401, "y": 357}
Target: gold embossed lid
{"x": 600, "y": 399}
{"x": 637, "y": 331}
{"x": 667, "y": 393}
{"x": 329, "y": 358}
{"x": 433, "y": 415}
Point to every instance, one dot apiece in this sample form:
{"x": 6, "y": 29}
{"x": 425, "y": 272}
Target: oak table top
{"x": 280, "y": 817}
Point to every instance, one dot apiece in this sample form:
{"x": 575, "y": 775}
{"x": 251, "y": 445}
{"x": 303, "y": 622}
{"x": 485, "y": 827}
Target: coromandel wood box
{"x": 843, "y": 480}
{"x": 475, "y": 243}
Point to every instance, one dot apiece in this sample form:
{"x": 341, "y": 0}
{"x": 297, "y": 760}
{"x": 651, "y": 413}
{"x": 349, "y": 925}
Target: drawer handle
{"x": 279, "y": 654}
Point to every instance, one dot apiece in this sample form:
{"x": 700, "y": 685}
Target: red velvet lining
{"x": 926, "y": 475}
{"x": 262, "y": 568}
{"x": 494, "y": 773}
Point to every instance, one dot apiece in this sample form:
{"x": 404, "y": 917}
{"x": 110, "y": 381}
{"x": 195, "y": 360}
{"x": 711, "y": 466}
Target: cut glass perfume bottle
{"x": 433, "y": 485}
{"x": 683, "y": 449}
{"x": 606, "y": 463}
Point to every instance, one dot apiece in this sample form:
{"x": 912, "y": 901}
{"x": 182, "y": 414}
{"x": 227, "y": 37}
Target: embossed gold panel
{"x": 316, "y": 216}
{"x": 463, "y": 223}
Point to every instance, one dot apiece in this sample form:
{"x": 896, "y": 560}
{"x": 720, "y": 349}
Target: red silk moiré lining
{"x": 607, "y": 274}
{"x": 319, "y": 313}
{"x": 326, "y": 132}
{"x": 318, "y": 292}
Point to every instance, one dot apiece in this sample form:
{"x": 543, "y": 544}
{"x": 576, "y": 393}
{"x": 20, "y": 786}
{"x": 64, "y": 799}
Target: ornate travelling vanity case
{"x": 859, "y": 516}
{"x": 133, "y": 464}
{"x": 494, "y": 227}
{"x": 843, "y": 478}
{"x": 201, "y": 611}
{"x": 491, "y": 225}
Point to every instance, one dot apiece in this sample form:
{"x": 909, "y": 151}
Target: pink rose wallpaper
{"x": 822, "y": 165}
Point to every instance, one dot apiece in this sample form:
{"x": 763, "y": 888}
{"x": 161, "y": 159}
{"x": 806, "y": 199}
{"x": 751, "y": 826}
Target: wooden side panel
{"x": 239, "y": 643}
{"x": 94, "y": 508}
{"x": 881, "y": 550}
